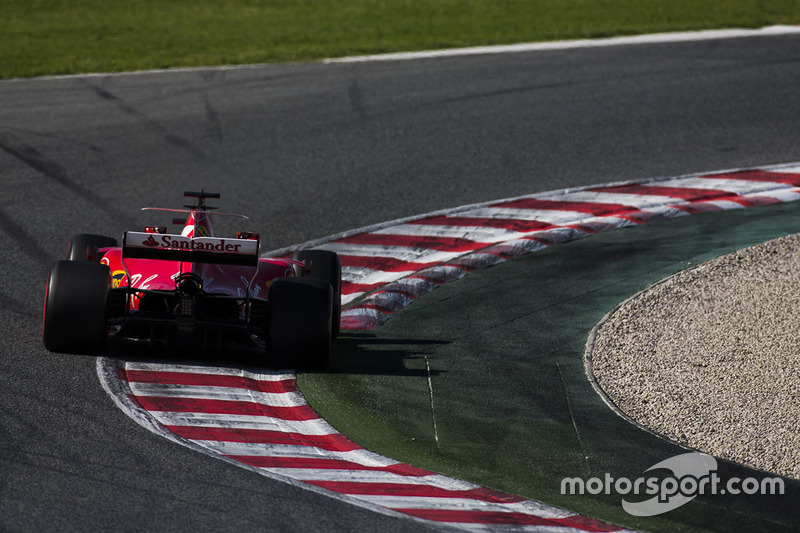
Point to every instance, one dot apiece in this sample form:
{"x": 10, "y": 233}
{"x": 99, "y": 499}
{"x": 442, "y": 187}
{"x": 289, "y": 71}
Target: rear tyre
{"x": 325, "y": 265}
{"x": 300, "y": 322}
{"x": 84, "y": 247}
{"x": 75, "y": 307}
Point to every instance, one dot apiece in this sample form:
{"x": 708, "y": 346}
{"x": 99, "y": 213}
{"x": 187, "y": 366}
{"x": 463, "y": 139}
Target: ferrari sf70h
{"x": 195, "y": 290}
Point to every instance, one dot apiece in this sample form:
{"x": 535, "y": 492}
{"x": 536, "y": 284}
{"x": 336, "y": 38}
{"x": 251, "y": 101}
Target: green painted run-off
{"x": 512, "y": 408}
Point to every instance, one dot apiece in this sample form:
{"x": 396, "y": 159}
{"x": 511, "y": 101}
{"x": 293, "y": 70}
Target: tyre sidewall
{"x": 75, "y": 307}
{"x": 324, "y": 264}
{"x": 300, "y": 322}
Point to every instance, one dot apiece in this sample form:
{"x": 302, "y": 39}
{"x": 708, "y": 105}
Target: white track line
{"x": 655, "y": 38}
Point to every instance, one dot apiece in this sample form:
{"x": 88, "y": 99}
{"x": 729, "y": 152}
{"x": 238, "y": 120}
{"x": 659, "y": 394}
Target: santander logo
{"x": 200, "y": 244}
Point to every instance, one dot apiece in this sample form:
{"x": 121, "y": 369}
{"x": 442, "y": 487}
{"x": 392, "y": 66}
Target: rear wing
{"x": 166, "y": 247}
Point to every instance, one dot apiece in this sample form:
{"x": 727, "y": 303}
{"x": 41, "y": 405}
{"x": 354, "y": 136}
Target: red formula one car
{"x": 193, "y": 290}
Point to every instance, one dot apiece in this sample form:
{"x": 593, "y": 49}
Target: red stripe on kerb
{"x": 326, "y": 464}
{"x": 414, "y": 489}
{"x": 224, "y": 407}
{"x": 502, "y": 223}
{"x": 215, "y": 380}
{"x": 756, "y": 201}
{"x": 334, "y": 442}
{"x": 592, "y": 208}
{"x": 350, "y": 288}
{"x": 698, "y": 207}
{"x": 384, "y": 264}
{"x": 759, "y": 175}
{"x": 499, "y": 517}
{"x": 684, "y": 193}
{"x": 442, "y": 244}
{"x": 360, "y": 322}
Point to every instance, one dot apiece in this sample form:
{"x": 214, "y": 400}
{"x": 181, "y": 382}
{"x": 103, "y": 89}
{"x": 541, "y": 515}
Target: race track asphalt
{"x": 305, "y": 151}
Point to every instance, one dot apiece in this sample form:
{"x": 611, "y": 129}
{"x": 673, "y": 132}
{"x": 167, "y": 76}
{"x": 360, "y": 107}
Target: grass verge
{"x": 42, "y": 37}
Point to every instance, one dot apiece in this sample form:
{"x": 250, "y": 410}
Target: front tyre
{"x": 323, "y": 264}
{"x": 83, "y": 247}
{"x": 300, "y": 322}
{"x": 75, "y": 307}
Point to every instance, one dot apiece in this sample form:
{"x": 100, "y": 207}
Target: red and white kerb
{"x": 262, "y": 422}
{"x": 386, "y": 268}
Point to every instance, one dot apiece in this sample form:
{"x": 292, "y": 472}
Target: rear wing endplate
{"x": 166, "y": 247}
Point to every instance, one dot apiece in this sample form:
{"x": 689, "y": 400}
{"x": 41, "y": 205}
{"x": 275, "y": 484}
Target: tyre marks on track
{"x": 30, "y": 156}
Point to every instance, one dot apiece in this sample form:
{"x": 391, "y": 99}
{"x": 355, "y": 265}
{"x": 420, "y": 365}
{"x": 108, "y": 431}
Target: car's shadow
{"x": 367, "y": 353}
{"x": 351, "y": 353}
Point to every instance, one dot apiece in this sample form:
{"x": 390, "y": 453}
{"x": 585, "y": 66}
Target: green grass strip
{"x": 483, "y": 379}
{"x": 42, "y": 37}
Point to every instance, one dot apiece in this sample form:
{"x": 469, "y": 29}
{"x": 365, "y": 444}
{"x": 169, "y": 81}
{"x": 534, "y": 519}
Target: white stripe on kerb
{"x": 632, "y": 199}
{"x": 347, "y": 298}
{"x": 315, "y": 426}
{"x": 354, "y": 476}
{"x": 273, "y": 399}
{"x": 722, "y": 204}
{"x": 362, "y": 457}
{"x": 368, "y": 275}
{"x": 786, "y": 170}
{"x": 278, "y": 375}
{"x": 473, "y": 233}
{"x": 404, "y": 253}
{"x": 721, "y": 184}
{"x": 364, "y": 312}
{"x": 546, "y": 216}
{"x": 783, "y": 195}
